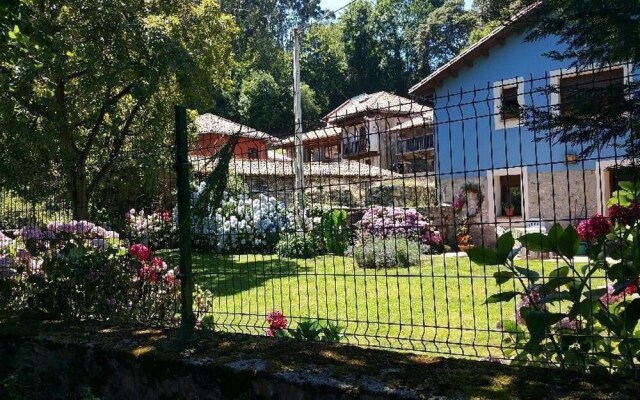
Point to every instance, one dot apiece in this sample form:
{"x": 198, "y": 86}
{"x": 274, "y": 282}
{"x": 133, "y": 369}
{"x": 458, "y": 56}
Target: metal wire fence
{"x": 477, "y": 223}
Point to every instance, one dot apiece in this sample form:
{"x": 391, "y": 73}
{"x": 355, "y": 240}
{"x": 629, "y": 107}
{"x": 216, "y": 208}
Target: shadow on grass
{"x": 230, "y": 275}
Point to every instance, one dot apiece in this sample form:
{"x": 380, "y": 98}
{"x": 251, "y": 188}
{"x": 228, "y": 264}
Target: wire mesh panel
{"x": 478, "y": 222}
{"x": 93, "y": 242}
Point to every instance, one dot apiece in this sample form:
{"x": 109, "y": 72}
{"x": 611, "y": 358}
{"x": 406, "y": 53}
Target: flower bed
{"x": 79, "y": 270}
{"x": 242, "y": 223}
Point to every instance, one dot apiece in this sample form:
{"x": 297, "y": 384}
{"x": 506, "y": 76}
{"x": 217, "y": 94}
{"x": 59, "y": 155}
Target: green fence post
{"x": 182, "y": 167}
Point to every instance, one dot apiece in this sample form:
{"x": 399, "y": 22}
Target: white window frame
{"x": 494, "y": 198}
{"x": 498, "y": 87}
{"x": 556, "y": 75}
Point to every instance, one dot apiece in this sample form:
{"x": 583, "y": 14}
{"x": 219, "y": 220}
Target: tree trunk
{"x": 79, "y": 197}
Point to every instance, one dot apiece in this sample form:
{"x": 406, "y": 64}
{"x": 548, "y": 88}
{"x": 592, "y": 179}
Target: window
{"x": 511, "y": 195}
{"x": 510, "y": 106}
{"x": 508, "y": 98}
{"x": 332, "y": 152}
{"x": 580, "y": 93}
{"x": 253, "y": 153}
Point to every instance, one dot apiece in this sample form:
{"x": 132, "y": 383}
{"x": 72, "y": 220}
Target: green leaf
{"x": 535, "y": 242}
{"x": 502, "y": 276}
{"x": 559, "y": 272}
{"x": 555, "y": 283}
{"x": 530, "y": 274}
{"x": 631, "y": 315}
{"x": 553, "y": 237}
{"x": 501, "y": 297}
{"x": 538, "y": 321}
{"x": 569, "y": 242}
{"x": 504, "y": 246}
{"x": 610, "y": 321}
{"x": 483, "y": 256}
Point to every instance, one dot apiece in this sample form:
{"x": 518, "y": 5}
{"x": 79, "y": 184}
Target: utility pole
{"x": 297, "y": 111}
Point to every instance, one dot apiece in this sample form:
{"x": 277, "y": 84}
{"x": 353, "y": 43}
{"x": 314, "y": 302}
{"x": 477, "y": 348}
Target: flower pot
{"x": 509, "y": 211}
{"x": 582, "y": 249}
{"x": 463, "y": 242}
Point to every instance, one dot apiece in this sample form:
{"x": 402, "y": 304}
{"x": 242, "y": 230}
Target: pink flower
{"x": 625, "y": 215}
{"x": 148, "y": 273}
{"x": 170, "y": 278}
{"x": 140, "y": 251}
{"x": 593, "y": 228}
{"x": 277, "y": 321}
{"x": 166, "y": 216}
{"x": 611, "y": 298}
{"x": 534, "y": 299}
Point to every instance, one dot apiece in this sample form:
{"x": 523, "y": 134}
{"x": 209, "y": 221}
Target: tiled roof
{"x": 210, "y": 123}
{"x": 498, "y": 35}
{"x": 415, "y": 121}
{"x": 380, "y": 102}
{"x": 278, "y": 168}
{"x": 323, "y": 133}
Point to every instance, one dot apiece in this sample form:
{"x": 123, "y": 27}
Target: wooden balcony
{"x": 417, "y": 146}
{"x": 357, "y": 149}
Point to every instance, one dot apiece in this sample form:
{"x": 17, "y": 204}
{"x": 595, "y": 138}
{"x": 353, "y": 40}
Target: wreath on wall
{"x": 462, "y": 198}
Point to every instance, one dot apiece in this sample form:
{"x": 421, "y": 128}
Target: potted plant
{"x": 463, "y": 239}
{"x": 508, "y": 208}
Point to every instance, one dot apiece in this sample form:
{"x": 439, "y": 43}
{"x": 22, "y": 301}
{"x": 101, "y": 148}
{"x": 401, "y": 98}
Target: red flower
{"x": 277, "y": 321}
{"x": 611, "y": 298}
{"x": 140, "y": 251}
{"x": 625, "y": 215}
{"x": 148, "y": 273}
{"x": 594, "y": 227}
{"x": 166, "y": 216}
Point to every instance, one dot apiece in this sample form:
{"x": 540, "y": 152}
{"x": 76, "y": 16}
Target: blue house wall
{"x": 467, "y": 141}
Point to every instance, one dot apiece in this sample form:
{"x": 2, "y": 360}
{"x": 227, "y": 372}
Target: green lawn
{"x": 438, "y": 306}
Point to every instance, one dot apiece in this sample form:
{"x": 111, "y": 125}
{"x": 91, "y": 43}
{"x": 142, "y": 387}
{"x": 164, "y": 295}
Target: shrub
{"x": 375, "y": 252}
{"x": 297, "y": 245}
{"x": 156, "y": 230}
{"x": 336, "y": 233}
{"x": 393, "y": 222}
{"x": 77, "y": 269}
{"x": 306, "y": 329}
{"x": 562, "y": 318}
{"x": 242, "y": 223}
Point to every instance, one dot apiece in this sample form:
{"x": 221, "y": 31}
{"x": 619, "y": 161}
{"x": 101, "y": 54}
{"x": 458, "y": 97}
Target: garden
{"x": 385, "y": 280}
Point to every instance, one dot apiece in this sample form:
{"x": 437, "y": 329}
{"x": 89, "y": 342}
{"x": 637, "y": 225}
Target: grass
{"x": 437, "y": 307}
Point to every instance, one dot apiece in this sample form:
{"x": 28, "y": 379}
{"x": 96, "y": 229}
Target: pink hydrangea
{"x": 625, "y": 215}
{"x": 140, "y": 251}
{"x": 534, "y": 299}
{"x": 593, "y": 228}
{"x": 459, "y": 202}
{"x": 611, "y": 298}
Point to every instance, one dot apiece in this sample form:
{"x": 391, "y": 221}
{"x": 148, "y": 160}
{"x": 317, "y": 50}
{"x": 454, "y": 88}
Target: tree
{"x": 323, "y": 63}
{"x": 85, "y": 84}
{"x": 591, "y": 33}
{"x": 446, "y": 32}
{"x": 263, "y": 103}
{"x": 363, "y": 59}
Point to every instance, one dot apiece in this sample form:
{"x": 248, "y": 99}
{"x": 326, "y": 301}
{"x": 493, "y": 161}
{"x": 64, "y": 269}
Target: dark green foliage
{"x": 314, "y": 330}
{"x": 336, "y": 231}
{"x": 374, "y": 252}
{"x": 297, "y": 245}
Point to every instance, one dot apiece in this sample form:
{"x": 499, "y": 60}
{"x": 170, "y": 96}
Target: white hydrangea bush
{"x": 242, "y": 223}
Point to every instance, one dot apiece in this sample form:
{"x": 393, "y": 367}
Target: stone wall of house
{"x": 481, "y": 230}
{"x": 563, "y": 196}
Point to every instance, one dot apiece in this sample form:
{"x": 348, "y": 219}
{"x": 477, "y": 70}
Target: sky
{"x": 335, "y": 4}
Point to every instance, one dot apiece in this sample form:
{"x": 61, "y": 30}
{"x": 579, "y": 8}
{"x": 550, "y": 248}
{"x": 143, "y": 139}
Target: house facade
{"x": 367, "y": 121}
{"x": 214, "y": 131}
{"x": 481, "y": 139}
{"x": 322, "y": 145}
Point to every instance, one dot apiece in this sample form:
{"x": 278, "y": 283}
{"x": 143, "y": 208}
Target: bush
{"x": 78, "y": 270}
{"x": 241, "y": 224}
{"x": 336, "y": 233}
{"x": 375, "y": 252}
{"x": 297, "y": 245}
{"x": 156, "y": 230}
{"x": 402, "y": 194}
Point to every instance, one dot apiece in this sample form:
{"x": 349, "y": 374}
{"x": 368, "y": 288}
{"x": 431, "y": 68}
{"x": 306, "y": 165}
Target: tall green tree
{"x": 361, "y": 48}
{"x": 84, "y": 85}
